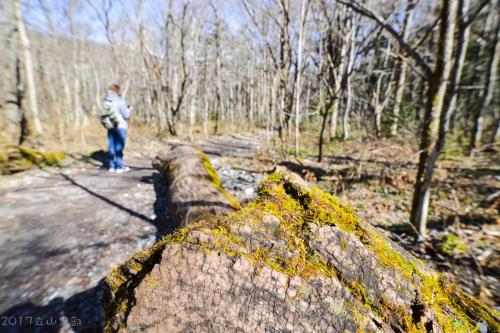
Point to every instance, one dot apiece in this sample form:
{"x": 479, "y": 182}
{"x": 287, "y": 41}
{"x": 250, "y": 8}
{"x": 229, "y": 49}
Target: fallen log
{"x": 303, "y": 167}
{"x": 194, "y": 189}
{"x": 15, "y": 159}
{"x": 194, "y": 192}
{"x": 295, "y": 259}
{"x": 311, "y": 170}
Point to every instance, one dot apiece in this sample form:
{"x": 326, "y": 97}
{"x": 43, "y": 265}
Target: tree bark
{"x": 434, "y": 125}
{"x": 330, "y": 271}
{"x": 185, "y": 167}
{"x": 463, "y": 34}
{"x": 382, "y": 93}
{"x": 489, "y": 88}
{"x": 298, "y": 68}
{"x": 29, "y": 72}
{"x": 403, "y": 66}
{"x": 349, "y": 69}
{"x": 324, "y": 120}
{"x": 10, "y": 84}
{"x": 340, "y": 73}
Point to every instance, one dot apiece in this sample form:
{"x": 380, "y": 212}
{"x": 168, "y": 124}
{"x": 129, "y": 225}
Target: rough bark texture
{"x": 195, "y": 190}
{"x": 28, "y": 66}
{"x": 434, "y": 128}
{"x": 402, "y": 68}
{"x": 9, "y": 86}
{"x": 295, "y": 259}
{"x": 489, "y": 89}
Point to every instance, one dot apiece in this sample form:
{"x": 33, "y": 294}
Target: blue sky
{"x": 87, "y": 21}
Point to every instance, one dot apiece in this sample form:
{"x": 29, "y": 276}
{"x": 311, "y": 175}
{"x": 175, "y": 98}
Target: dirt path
{"x": 61, "y": 232}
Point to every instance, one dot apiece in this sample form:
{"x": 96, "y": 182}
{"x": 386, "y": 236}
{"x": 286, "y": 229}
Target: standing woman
{"x": 118, "y": 134}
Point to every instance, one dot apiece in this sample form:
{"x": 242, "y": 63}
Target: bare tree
{"x": 218, "y": 66}
{"x": 298, "y": 69}
{"x": 402, "y": 68}
{"x": 382, "y": 91}
{"x": 434, "y": 129}
{"x": 490, "y": 81}
{"x": 349, "y": 68}
{"x": 29, "y": 71}
{"x": 10, "y": 88}
{"x": 334, "y": 63}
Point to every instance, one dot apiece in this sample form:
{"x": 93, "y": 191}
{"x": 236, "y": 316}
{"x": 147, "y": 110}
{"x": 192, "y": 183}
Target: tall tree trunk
{"x": 194, "y": 98}
{"x": 298, "y": 86}
{"x": 489, "y": 87}
{"x": 251, "y": 90}
{"x": 401, "y": 73}
{"x": 380, "y": 96}
{"x": 463, "y": 37}
{"x": 325, "y": 111}
{"x": 10, "y": 84}
{"x": 24, "y": 127}
{"x": 322, "y": 110}
{"x": 350, "y": 65}
{"x": 340, "y": 76}
{"x": 434, "y": 125}
{"x": 218, "y": 70}
{"x": 29, "y": 72}
{"x": 334, "y": 119}
{"x": 347, "y": 111}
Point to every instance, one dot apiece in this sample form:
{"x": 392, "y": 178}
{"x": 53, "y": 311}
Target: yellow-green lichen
{"x": 19, "y": 158}
{"x": 214, "y": 178}
{"x": 323, "y": 208}
{"x": 40, "y": 157}
{"x": 282, "y": 215}
{"x": 4, "y": 157}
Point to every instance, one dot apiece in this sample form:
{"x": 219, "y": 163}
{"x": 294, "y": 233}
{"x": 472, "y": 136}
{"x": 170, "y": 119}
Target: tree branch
{"x": 364, "y": 11}
{"x": 474, "y": 13}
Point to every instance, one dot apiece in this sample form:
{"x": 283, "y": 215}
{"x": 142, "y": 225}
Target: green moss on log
{"x": 284, "y": 212}
{"x": 214, "y": 178}
{"x": 18, "y": 158}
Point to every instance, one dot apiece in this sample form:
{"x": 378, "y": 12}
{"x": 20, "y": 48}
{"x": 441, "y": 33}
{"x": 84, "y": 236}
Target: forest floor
{"x": 62, "y": 230}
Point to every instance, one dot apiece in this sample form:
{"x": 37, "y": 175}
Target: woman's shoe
{"x": 122, "y": 169}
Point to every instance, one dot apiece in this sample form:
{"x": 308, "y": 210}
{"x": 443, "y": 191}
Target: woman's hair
{"x": 115, "y": 88}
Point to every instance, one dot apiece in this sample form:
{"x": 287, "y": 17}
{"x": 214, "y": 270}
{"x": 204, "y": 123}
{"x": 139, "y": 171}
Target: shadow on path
{"x": 162, "y": 221}
{"x": 111, "y": 202}
{"x": 82, "y": 312}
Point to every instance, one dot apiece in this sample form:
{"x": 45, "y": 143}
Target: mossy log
{"x": 15, "y": 159}
{"x": 295, "y": 259}
{"x": 194, "y": 189}
{"x": 195, "y": 192}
